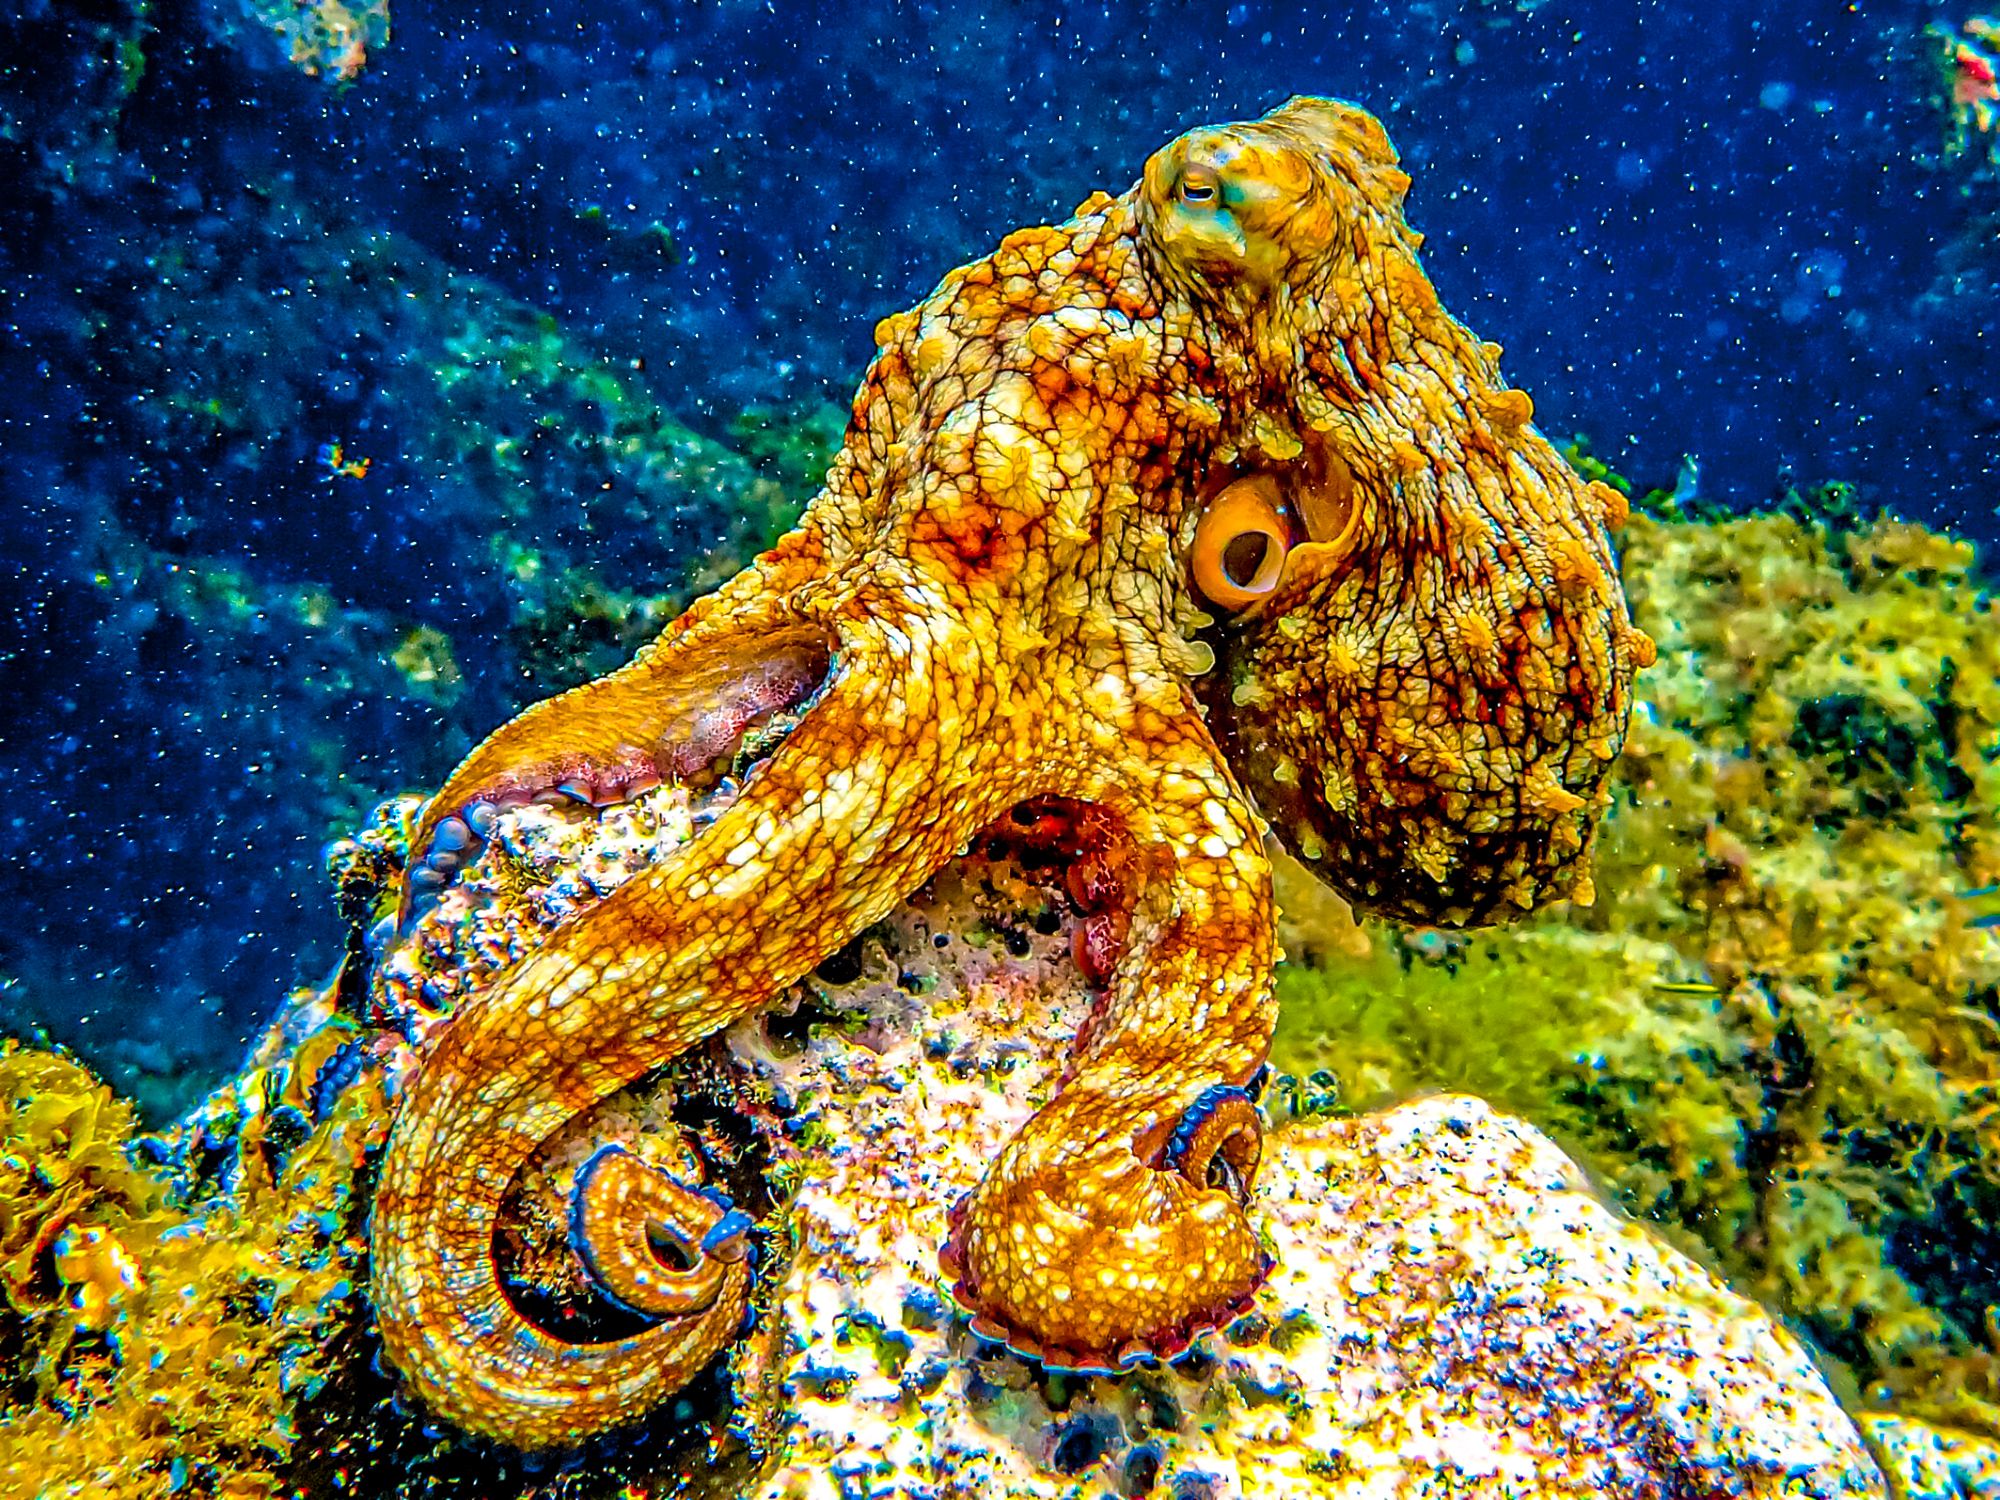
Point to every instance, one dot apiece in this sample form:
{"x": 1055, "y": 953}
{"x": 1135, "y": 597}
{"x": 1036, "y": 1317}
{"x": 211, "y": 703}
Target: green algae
{"x": 1776, "y": 1035}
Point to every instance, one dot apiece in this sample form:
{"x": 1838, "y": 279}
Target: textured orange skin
{"x": 999, "y": 567}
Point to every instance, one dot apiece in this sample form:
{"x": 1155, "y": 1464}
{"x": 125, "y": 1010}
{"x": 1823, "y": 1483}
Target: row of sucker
{"x": 726, "y": 748}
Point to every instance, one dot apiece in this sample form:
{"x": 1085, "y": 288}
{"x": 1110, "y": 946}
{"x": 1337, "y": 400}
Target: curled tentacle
{"x": 785, "y": 875}
{"x": 624, "y": 1211}
{"x": 1218, "y": 1142}
{"x": 1153, "y": 1100}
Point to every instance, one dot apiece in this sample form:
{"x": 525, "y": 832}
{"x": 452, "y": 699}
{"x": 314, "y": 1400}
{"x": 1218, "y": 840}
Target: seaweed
{"x": 1776, "y": 1034}
{"x": 160, "y": 1333}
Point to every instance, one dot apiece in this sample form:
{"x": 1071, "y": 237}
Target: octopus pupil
{"x": 1244, "y": 556}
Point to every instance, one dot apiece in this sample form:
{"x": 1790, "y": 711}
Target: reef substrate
{"x": 1454, "y": 1310}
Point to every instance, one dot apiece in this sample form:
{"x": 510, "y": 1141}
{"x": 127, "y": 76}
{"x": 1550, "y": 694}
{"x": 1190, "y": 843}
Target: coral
{"x": 1776, "y": 1032}
{"x": 64, "y": 1176}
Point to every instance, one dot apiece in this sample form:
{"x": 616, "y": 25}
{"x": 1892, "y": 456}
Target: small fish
{"x": 1686, "y": 987}
{"x": 335, "y": 464}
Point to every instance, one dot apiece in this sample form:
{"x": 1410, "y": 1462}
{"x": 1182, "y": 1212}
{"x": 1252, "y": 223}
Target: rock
{"x": 1453, "y": 1311}
{"x": 1922, "y": 1461}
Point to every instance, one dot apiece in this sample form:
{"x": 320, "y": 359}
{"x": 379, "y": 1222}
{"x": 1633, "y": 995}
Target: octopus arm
{"x": 785, "y": 875}
{"x": 1113, "y": 1227}
{"x": 738, "y": 656}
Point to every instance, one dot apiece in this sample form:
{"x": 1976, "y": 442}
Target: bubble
{"x": 1821, "y": 271}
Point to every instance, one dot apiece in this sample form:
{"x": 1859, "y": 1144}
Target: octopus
{"x": 1192, "y": 519}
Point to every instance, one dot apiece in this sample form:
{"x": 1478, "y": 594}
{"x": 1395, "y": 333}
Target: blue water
{"x": 1719, "y": 240}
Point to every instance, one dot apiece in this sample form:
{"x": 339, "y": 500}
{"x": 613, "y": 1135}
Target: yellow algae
{"x": 171, "y": 1327}
{"x": 1774, "y": 1034}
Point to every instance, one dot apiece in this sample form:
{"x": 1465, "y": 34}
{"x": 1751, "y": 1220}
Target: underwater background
{"x": 370, "y": 373}
{"x": 369, "y": 376}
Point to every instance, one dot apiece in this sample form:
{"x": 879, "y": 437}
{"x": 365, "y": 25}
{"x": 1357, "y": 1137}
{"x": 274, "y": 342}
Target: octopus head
{"x": 1427, "y": 656}
{"x": 1235, "y": 211}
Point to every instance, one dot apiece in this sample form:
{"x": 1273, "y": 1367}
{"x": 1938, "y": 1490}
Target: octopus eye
{"x": 1200, "y": 186}
{"x": 1241, "y": 543}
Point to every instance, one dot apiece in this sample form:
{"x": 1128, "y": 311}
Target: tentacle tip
{"x": 595, "y": 1162}
{"x": 579, "y": 1234}
{"x": 984, "y": 1327}
{"x": 340, "y": 1068}
{"x": 729, "y": 1237}
{"x": 1199, "y": 1114}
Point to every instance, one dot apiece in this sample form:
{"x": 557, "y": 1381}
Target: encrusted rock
{"x": 1922, "y": 1461}
{"x": 1453, "y": 1312}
